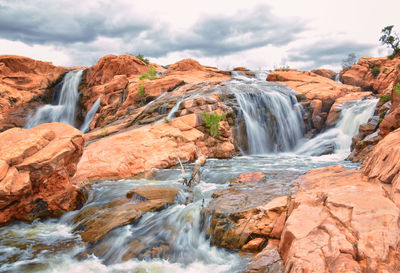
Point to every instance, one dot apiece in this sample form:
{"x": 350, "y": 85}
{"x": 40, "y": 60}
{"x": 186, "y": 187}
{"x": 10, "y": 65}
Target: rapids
{"x": 275, "y": 147}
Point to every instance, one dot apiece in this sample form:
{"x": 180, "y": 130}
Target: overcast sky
{"x": 266, "y": 34}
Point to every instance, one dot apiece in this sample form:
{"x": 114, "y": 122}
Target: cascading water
{"x": 338, "y": 139}
{"x": 273, "y": 117}
{"x": 90, "y": 115}
{"x": 64, "y": 104}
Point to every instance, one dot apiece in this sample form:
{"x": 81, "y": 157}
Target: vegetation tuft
{"x": 212, "y": 122}
{"x": 150, "y": 74}
{"x": 375, "y": 71}
{"x": 396, "y": 88}
{"x": 142, "y": 58}
{"x": 385, "y": 98}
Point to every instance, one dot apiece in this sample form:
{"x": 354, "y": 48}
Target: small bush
{"x": 166, "y": 120}
{"x": 349, "y": 61}
{"x": 385, "y": 99}
{"x": 142, "y": 58}
{"x": 396, "y": 88}
{"x": 141, "y": 91}
{"x": 375, "y": 71}
{"x": 212, "y": 122}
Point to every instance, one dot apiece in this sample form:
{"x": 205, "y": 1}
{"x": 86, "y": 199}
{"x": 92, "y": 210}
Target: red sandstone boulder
{"x": 186, "y": 65}
{"x": 361, "y": 75}
{"x": 36, "y": 167}
{"x": 327, "y": 73}
{"x": 339, "y": 222}
{"x": 153, "y": 146}
{"x": 24, "y": 85}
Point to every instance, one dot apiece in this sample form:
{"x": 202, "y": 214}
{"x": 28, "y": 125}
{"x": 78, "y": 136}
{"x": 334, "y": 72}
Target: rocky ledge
{"x": 36, "y": 167}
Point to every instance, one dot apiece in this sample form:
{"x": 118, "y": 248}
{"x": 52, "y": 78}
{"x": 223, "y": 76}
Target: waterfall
{"x": 338, "y": 139}
{"x": 90, "y": 115}
{"x": 272, "y": 116}
{"x": 64, "y": 104}
{"x": 63, "y": 107}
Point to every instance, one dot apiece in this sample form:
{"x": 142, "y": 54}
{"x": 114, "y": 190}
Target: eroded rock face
{"x": 117, "y": 79}
{"x": 333, "y": 224}
{"x": 153, "y": 146}
{"x": 361, "y": 75}
{"x": 25, "y": 84}
{"x": 382, "y": 165}
{"x": 36, "y": 166}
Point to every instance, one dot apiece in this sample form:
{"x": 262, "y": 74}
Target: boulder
{"x": 186, "y": 65}
{"x": 361, "y": 75}
{"x": 36, "y": 166}
{"x": 25, "y": 84}
{"x": 159, "y": 145}
{"x": 267, "y": 260}
{"x": 95, "y": 223}
{"x": 333, "y": 224}
{"x": 244, "y": 212}
{"x": 327, "y": 73}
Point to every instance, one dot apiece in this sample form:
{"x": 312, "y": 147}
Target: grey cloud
{"x": 223, "y": 35}
{"x": 48, "y": 23}
{"x": 328, "y": 52}
{"x": 78, "y": 29}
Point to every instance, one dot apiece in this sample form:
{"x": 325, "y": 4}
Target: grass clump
{"x": 375, "y": 71}
{"x": 396, "y": 88}
{"x": 142, "y": 58}
{"x": 212, "y": 122}
{"x": 385, "y": 98}
{"x": 149, "y": 75}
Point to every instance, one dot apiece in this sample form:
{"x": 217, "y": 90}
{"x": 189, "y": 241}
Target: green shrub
{"x": 142, "y": 58}
{"x": 396, "y": 88}
{"x": 166, "y": 120}
{"x": 212, "y": 122}
{"x": 150, "y": 74}
{"x": 385, "y": 98}
{"x": 141, "y": 91}
{"x": 375, "y": 71}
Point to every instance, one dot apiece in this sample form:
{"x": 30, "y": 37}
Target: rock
{"x": 327, "y": 73}
{"x": 268, "y": 260}
{"x": 382, "y": 164}
{"x": 254, "y": 245}
{"x": 25, "y": 84}
{"x": 313, "y": 86}
{"x": 242, "y": 212}
{"x": 360, "y": 74}
{"x": 111, "y": 65}
{"x": 117, "y": 80}
{"x": 38, "y": 164}
{"x": 333, "y": 224}
{"x": 250, "y": 178}
{"x": 240, "y": 68}
{"x": 186, "y": 65}
{"x": 95, "y": 223}
{"x": 153, "y": 146}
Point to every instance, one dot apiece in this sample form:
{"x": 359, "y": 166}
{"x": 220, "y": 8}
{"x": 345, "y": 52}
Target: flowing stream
{"x": 52, "y": 246}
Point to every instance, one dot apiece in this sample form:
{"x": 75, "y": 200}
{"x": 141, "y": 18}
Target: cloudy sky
{"x": 265, "y": 34}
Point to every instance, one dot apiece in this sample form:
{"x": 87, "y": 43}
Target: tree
{"x": 349, "y": 61}
{"x": 390, "y": 40}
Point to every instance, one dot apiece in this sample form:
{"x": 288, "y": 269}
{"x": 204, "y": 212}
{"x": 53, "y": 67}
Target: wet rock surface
{"x": 36, "y": 166}
{"x": 244, "y": 211}
{"x": 95, "y": 223}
